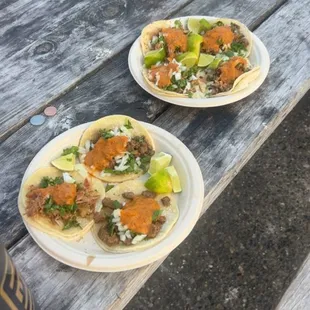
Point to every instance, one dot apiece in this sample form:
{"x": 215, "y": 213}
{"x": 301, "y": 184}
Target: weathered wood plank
{"x": 111, "y": 90}
{"x": 297, "y": 297}
{"x": 48, "y": 46}
{"x": 222, "y": 139}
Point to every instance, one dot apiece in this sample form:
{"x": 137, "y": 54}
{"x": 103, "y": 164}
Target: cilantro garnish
{"x": 128, "y": 125}
{"x": 71, "y": 150}
{"x": 156, "y": 215}
{"x": 111, "y": 226}
{"x": 106, "y": 134}
{"x": 237, "y": 47}
{"x": 117, "y": 204}
{"x": 108, "y": 187}
{"x": 178, "y": 24}
{"x": 71, "y": 223}
{"x": 46, "y": 181}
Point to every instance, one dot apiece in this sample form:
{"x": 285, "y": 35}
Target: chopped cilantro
{"x": 156, "y": 215}
{"x": 229, "y": 54}
{"x": 219, "y": 41}
{"x": 108, "y": 187}
{"x": 71, "y": 223}
{"x": 145, "y": 161}
{"x": 106, "y": 134}
{"x": 50, "y": 206}
{"x": 71, "y": 150}
{"x": 237, "y": 47}
{"x": 131, "y": 169}
{"x": 46, "y": 181}
{"x": 111, "y": 226}
{"x": 190, "y": 94}
{"x": 128, "y": 125}
{"x": 178, "y": 24}
{"x": 117, "y": 204}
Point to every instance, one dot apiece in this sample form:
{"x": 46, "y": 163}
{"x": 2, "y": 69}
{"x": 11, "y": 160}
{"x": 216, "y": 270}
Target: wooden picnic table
{"x": 73, "y": 54}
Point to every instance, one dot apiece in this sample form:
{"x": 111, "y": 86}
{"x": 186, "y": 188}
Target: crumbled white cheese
{"x": 177, "y": 76}
{"x": 117, "y": 213}
{"x": 137, "y": 239}
{"x": 87, "y": 145}
{"x": 68, "y": 178}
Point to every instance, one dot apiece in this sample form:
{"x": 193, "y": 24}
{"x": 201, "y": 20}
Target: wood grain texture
{"x": 48, "y": 46}
{"x": 222, "y": 139}
{"x": 297, "y": 296}
{"x": 110, "y": 90}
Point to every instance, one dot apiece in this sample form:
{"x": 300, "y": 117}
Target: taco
{"x": 60, "y": 204}
{"x": 116, "y": 148}
{"x": 210, "y": 59}
{"x": 133, "y": 218}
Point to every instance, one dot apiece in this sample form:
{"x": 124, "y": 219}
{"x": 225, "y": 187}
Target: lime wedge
{"x": 153, "y": 57}
{"x": 205, "y": 60}
{"x": 175, "y": 180}
{"x": 187, "y": 59}
{"x": 193, "y": 43}
{"x": 159, "y": 182}
{"x": 193, "y": 25}
{"x": 215, "y": 63}
{"x": 204, "y": 25}
{"x": 159, "y": 161}
{"x": 64, "y": 163}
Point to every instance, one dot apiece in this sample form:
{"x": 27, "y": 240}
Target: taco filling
{"x": 200, "y": 62}
{"x": 137, "y": 219}
{"x": 61, "y": 202}
{"x": 117, "y": 151}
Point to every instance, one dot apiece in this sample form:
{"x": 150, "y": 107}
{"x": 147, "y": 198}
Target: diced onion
{"x": 67, "y": 178}
{"x": 137, "y": 239}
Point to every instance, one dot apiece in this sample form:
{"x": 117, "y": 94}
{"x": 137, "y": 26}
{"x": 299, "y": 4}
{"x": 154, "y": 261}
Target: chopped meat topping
{"x": 156, "y": 227}
{"x": 104, "y": 235}
{"x": 128, "y": 195}
{"x": 166, "y": 201}
{"x": 108, "y": 203}
{"x": 98, "y": 217}
{"x": 139, "y": 147}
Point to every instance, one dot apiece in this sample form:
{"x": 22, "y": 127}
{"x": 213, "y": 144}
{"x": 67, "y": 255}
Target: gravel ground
{"x": 246, "y": 249}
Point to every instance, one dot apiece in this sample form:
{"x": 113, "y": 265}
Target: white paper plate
{"x": 259, "y": 57}
{"x": 78, "y": 254}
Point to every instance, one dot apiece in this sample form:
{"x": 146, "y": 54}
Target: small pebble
{"x": 37, "y": 120}
{"x": 50, "y": 111}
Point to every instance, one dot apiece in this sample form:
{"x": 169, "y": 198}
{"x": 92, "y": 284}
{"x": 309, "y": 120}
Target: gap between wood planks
{"x": 77, "y": 82}
{"x": 80, "y": 80}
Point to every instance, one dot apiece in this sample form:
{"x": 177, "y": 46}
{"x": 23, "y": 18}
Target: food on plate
{"x": 159, "y": 161}
{"x": 197, "y": 58}
{"x": 164, "y": 181}
{"x": 60, "y": 204}
{"x": 116, "y": 148}
{"x": 133, "y": 218}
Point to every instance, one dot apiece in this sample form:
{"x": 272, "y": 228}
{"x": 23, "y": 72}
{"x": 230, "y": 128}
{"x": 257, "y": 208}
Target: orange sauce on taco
{"x": 104, "y": 151}
{"x": 164, "y": 73}
{"x": 137, "y": 214}
{"x": 62, "y": 194}
{"x": 230, "y": 70}
{"x": 175, "y": 39}
{"x": 217, "y": 36}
